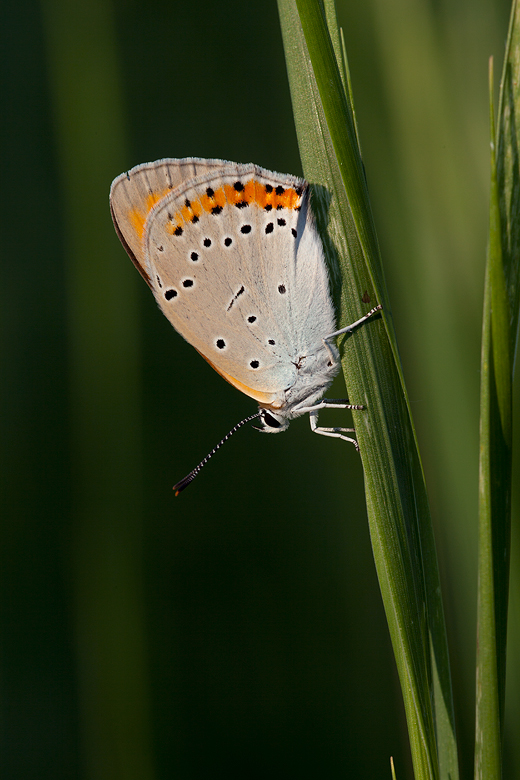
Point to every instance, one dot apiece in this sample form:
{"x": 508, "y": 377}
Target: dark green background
{"x": 236, "y": 631}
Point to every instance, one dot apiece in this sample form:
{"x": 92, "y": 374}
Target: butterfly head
{"x": 273, "y": 422}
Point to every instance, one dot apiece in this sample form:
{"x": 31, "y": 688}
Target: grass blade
{"x": 499, "y": 332}
{"x": 105, "y": 400}
{"x": 400, "y": 526}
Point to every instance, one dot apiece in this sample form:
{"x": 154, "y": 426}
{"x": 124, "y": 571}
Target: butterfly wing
{"x": 233, "y": 258}
{"x": 135, "y": 193}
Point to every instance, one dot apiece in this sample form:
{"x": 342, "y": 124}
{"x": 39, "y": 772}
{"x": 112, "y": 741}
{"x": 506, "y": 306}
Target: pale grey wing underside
{"x": 133, "y": 195}
{"x": 226, "y": 281}
{"x": 239, "y": 273}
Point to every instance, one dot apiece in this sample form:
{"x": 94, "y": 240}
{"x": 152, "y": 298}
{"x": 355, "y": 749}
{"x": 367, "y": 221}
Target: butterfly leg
{"x": 356, "y": 324}
{"x": 350, "y": 328}
{"x": 335, "y": 433}
{"x": 336, "y": 403}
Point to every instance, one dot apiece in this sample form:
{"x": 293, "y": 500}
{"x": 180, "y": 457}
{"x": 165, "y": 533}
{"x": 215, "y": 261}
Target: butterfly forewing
{"x": 221, "y": 254}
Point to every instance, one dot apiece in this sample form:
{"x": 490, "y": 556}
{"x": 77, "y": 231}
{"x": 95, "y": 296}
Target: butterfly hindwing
{"x": 135, "y": 193}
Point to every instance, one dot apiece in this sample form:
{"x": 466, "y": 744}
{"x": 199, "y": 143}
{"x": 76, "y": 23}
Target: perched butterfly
{"x": 235, "y": 262}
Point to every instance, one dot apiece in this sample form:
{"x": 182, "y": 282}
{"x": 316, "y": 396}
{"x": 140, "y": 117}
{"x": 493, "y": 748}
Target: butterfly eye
{"x": 269, "y": 420}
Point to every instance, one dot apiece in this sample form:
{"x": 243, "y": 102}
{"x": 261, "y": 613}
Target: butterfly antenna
{"x": 191, "y": 476}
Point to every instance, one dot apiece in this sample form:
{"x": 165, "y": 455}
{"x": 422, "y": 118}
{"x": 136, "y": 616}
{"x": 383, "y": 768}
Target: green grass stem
{"x": 398, "y": 512}
{"x": 499, "y": 333}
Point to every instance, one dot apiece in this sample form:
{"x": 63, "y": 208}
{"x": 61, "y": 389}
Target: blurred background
{"x": 236, "y": 631}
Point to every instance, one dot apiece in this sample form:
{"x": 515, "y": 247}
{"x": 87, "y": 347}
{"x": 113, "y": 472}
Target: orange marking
{"x": 186, "y": 213}
{"x": 220, "y": 197}
{"x": 138, "y": 217}
{"x": 248, "y": 193}
{"x": 206, "y": 202}
{"x": 261, "y": 196}
{"x": 232, "y": 195}
{"x": 176, "y": 222}
{"x": 153, "y": 198}
{"x": 253, "y": 192}
{"x": 288, "y": 200}
{"x": 196, "y": 208}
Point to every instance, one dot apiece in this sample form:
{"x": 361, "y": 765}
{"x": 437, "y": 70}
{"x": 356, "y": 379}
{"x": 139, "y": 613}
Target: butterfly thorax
{"x": 314, "y": 375}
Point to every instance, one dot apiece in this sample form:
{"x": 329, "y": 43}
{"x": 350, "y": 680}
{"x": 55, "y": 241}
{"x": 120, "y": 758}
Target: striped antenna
{"x": 191, "y": 476}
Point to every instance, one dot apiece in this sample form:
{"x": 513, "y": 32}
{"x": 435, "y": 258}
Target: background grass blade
{"x": 400, "y": 527}
{"x": 500, "y": 324}
{"x": 106, "y": 487}
{"x": 508, "y": 172}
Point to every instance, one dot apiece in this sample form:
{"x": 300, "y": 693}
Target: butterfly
{"x": 233, "y": 257}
